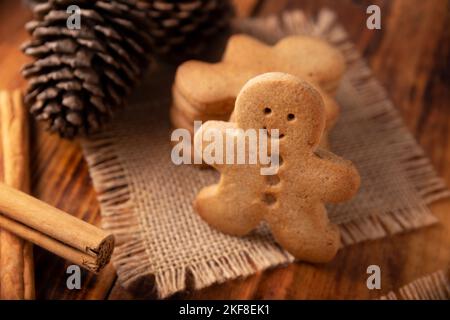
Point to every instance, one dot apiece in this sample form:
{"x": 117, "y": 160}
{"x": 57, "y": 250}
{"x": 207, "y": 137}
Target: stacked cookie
{"x": 185, "y": 111}
{"x": 207, "y": 91}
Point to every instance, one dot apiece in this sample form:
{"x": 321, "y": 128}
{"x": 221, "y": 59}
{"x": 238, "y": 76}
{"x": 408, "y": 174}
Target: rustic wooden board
{"x": 410, "y": 56}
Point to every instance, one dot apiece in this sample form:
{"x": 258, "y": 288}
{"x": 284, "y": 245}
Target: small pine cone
{"x": 79, "y": 76}
{"x": 182, "y": 29}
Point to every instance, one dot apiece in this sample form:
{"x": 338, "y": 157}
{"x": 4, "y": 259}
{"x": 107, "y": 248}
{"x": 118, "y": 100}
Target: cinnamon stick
{"x": 53, "y": 229}
{"x": 16, "y": 262}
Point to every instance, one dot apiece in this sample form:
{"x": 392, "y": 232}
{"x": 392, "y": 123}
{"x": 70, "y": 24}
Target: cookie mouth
{"x": 280, "y": 135}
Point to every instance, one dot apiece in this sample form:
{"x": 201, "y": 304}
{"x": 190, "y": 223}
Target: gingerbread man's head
{"x": 284, "y": 102}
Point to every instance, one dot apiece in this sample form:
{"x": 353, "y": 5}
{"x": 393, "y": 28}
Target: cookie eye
{"x": 267, "y": 110}
{"x": 290, "y": 117}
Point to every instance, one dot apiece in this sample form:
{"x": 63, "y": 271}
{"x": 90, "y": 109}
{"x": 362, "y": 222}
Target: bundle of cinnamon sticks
{"x": 25, "y": 220}
{"x": 16, "y": 255}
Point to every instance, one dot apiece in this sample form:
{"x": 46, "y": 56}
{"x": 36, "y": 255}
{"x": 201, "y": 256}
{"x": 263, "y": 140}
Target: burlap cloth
{"x": 435, "y": 286}
{"x": 164, "y": 247}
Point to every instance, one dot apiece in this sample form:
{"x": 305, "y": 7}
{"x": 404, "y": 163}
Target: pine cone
{"x": 80, "y": 76}
{"x": 181, "y": 29}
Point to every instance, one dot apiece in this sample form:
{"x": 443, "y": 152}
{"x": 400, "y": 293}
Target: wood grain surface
{"x": 410, "y": 55}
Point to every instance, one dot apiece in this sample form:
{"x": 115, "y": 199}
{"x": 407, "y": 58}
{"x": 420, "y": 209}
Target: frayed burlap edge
{"x": 435, "y": 286}
{"x": 120, "y": 217}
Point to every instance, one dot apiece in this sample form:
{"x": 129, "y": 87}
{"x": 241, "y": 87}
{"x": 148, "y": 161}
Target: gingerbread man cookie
{"x": 291, "y": 201}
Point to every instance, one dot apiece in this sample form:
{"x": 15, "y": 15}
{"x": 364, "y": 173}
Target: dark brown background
{"x": 409, "y": 55}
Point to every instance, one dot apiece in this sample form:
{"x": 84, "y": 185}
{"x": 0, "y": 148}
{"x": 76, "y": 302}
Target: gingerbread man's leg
{"x": 227, "y": 210}
{"x": 306, "y": 233}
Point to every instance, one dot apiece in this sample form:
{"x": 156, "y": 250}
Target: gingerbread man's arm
{"x": 210, "y": 142}
{"x": 338, "y": 178}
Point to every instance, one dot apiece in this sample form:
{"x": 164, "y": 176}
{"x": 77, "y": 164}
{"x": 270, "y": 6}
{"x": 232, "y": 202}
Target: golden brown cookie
{"x": 292, "y": 200}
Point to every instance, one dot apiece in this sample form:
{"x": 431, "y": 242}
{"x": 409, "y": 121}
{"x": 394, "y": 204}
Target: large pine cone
{"x": 181, "y": 29}
{"x": 80, "y": 76}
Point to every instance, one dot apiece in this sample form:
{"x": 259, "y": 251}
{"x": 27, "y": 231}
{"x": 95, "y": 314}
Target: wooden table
{"x": 410, "y": 55}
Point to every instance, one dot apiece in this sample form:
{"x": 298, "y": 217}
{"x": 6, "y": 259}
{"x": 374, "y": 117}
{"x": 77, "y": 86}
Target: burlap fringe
{"x": 232, "y": 266}
{"x": 120, "y": 216}
{"x": 432, "y": 287}
{"x": 118, "y": 212}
